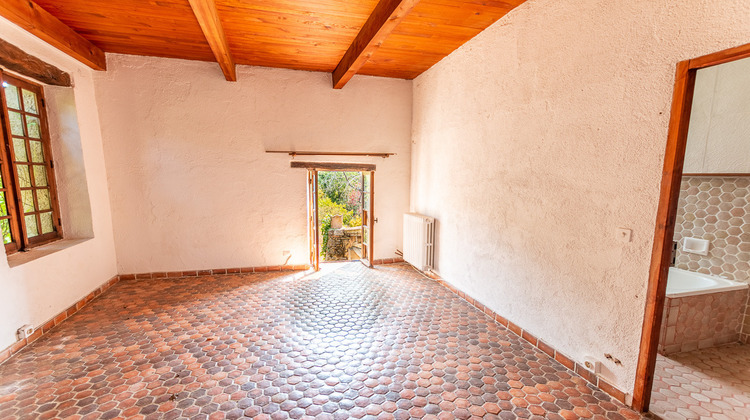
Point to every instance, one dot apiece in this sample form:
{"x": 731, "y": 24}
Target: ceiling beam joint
{"x": 383, "y": 20}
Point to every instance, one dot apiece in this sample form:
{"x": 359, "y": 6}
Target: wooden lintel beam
{"x": 15, "y": 59}
{"x": 29, "y": 16}
{"x": 383, "y": 20}
{"x": 208, "y": 18}
{"x": 333, "y": 166}
{"x": 295, "y": 153}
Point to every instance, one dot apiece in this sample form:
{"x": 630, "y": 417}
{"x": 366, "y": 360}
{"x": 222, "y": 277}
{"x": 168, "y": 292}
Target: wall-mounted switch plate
{"x": 624, "y": 234}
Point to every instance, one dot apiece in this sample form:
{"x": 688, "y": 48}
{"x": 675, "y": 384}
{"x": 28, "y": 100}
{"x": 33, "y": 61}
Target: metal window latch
{"x": 376, "y": 220}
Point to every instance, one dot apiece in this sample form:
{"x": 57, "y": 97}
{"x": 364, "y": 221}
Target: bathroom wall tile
{"x": 703, "y": 321}
{"x": 716, "y": 209}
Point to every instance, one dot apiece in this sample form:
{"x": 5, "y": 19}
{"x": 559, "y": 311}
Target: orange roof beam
{"x": 29, "y": 16}
{"x": 383, "y": 20}
{"x": 208, "y": 19}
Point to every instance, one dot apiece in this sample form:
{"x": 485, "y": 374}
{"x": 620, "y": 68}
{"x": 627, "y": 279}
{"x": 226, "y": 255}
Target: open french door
{"x": 368, "y": 185}
{"x": 312, "y": 218}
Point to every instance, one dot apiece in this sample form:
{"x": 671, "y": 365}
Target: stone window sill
{"x": 21, "y": 258}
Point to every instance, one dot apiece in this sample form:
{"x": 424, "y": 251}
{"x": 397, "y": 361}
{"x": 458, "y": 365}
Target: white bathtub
{"x": 681, "y": 283}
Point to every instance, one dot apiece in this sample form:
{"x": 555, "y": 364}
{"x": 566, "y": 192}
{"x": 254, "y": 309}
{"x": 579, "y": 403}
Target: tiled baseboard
{"x": 566, "y": 361}
{"x": 56, "y": 320}
{"x": 212, "y": 272}
{"x": 384, "y": 261}
{"x": 236, "y": 270}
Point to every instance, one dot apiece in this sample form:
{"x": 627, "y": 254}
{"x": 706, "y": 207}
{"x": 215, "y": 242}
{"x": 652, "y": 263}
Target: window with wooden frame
{"x": 29, "y": 212}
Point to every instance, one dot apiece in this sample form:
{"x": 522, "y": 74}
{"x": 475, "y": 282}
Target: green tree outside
{"x": 339, "y": 193}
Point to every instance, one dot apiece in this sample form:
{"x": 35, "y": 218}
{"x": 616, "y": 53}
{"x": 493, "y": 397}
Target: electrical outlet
{"x": 25, "y": 332}
{"x": 624, "y": 234}
{"x": 592, "y": 364}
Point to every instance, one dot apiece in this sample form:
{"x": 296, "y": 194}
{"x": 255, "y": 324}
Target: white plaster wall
{"x": 34, "y": 292}
{"x": 719, "y": 133}
{"x": 191, "y": 186}
{"x": 537, "y": 139}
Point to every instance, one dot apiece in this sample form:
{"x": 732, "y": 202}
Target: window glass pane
{"x": 29, "y": 102}
{"x": 3, "y": 206}
{"x": 11, "y": 95}
{"x": 42, "y": 199}
{"x": 40, "y": 176}
{"x": 5, "y": 229}
{"x": 19, "y": 148}
{"x": 47, "y": 225}
{"x": 16, "y": 123}
{"x": 1, "y": 176}
{"x": 23, "y": 176}
{"x": 35, "y": 130}
{"x": 27, "y": 196}
{"x": 37, "y": 154}
{"x": 31, "y": 227}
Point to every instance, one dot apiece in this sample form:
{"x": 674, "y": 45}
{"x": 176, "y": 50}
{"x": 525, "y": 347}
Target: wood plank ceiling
{"x": 303, "y": 35}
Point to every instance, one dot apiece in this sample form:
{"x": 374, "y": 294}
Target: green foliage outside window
{"x": 339, "y": 193}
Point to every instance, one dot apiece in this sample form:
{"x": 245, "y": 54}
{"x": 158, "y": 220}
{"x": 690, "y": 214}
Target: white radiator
{"x": 419, "y": 240}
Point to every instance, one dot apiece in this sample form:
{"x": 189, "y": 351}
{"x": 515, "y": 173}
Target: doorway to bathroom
{"x": 695, "y": 356}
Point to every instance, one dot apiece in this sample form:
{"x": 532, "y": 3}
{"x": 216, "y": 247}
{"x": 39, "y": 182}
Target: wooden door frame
{"x": 313, "y": 168}
{"x": 370, "y": 219}
{"x": 313, "y": 227}
{"x": 674, "y": 158}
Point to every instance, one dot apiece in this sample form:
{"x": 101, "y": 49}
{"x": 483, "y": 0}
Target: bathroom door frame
{"x": 682, "y": 100}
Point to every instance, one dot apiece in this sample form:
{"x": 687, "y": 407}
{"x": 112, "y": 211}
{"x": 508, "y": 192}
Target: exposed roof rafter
{"x": 383, "y": 20}
{"x": 208, "y": 18}
{"x": 31, "y": 17}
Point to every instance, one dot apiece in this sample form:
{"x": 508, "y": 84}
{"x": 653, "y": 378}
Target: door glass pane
{"x": 47, "y": 225}
{"x": 32, "y": 123}
{"x": 23, "y": 176}
{"x": 40, "y": 176}
{"x": 16, "y": 123}
{"x": 19, "y": 148}
{"x": 3, "y": 206}
{"x": 42, "y": 199}
{"x": 5, "y": 229}
{"x": 29, "y": 102}
{"x": 27, "y": 196}
{"x": 37, "y": 155}
{"x": 1, "y": 176}
{"x": 11, "y": 95}
{"x": 31, "y": 227}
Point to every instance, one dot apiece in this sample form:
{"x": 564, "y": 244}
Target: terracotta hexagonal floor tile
{"x": 349, "y": 342}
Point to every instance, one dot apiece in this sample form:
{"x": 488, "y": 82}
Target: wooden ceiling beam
{"x": 29, "y": 16}
{"x": 208, "y": 18}
{"x": 383, "y": 20}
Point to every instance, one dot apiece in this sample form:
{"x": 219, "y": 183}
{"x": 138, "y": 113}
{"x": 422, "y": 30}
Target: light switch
{"x": 623, "y": 234}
